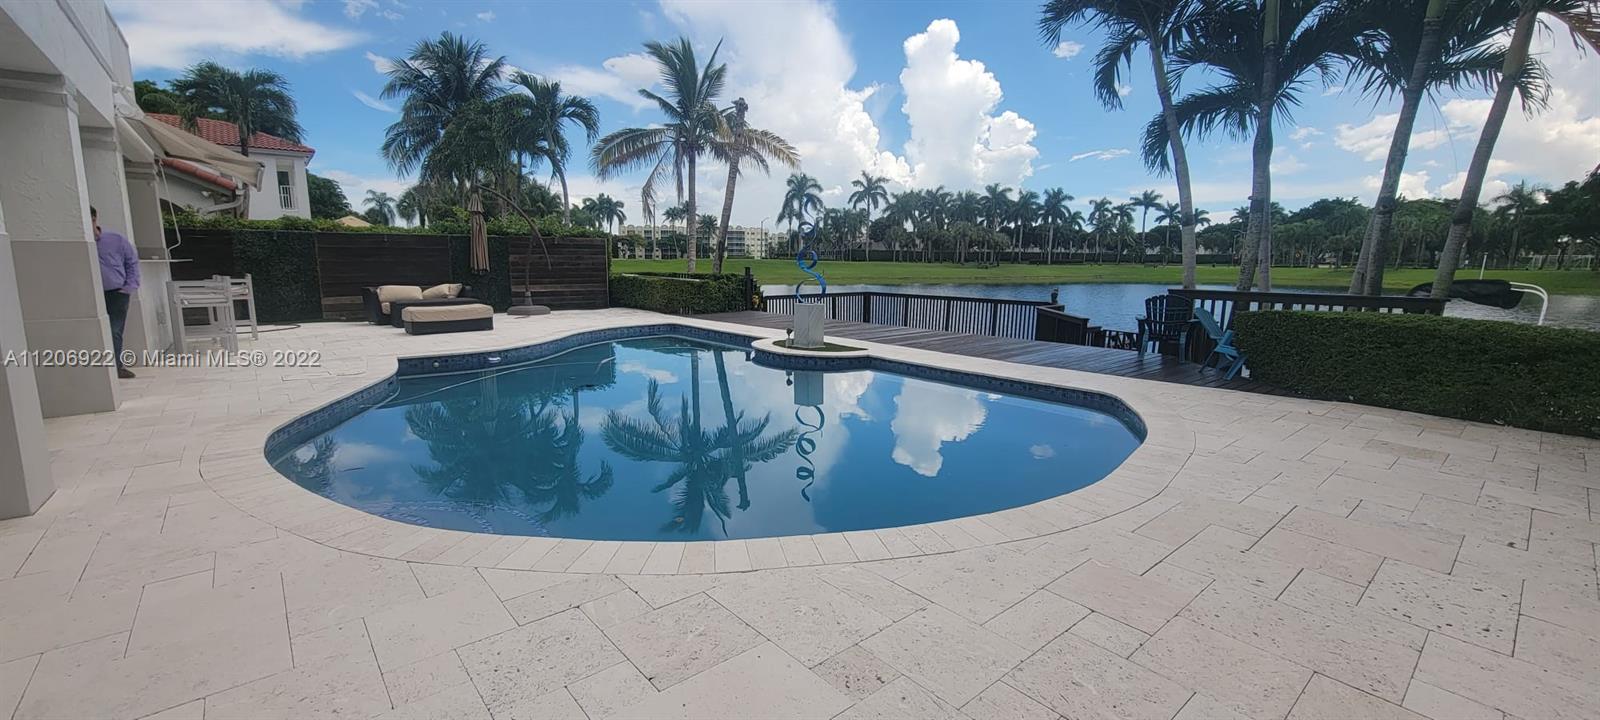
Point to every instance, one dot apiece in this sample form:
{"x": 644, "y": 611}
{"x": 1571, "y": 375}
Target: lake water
{"x": 1115, "y": 305}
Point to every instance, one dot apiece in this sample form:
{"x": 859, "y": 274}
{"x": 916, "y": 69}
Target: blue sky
{"x": 927, "y": 93}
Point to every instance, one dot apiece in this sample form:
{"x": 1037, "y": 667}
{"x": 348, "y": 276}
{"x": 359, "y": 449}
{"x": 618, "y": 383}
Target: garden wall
{"x": 1504, "y": 373}
{"x": 313, "y": 275}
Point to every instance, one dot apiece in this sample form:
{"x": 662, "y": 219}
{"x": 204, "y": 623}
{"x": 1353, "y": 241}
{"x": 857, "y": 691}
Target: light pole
{"x": 762, "y": 226}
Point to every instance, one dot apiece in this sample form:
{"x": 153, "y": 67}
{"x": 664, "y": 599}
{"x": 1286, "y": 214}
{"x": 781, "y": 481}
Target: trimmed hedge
{"x": 283, "y": 265}
{"x": 549, "y": 227}
{"x": 668, "y": 294}
{"x": 1524, "y": 376}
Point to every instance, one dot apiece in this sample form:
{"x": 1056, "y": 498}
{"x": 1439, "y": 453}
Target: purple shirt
{"x": 119, "y": 264}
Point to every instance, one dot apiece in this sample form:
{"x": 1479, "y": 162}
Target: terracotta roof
{"x": 200, "y": 173}
{"x": 226, "y": 134}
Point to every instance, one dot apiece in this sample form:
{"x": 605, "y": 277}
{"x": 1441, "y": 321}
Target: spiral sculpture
{"x": 806, "y": 259}
{"x": 804, "y": 445}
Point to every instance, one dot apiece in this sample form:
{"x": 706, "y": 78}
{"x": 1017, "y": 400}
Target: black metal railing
{"x": 969, "y": 315}
{"x": 1224, "y": 305}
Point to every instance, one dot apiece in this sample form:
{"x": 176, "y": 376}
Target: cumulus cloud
{"x": 166, "y": 34}
{"x": 1412, "y": 185}
{"x": 1067, "y": 49}
{"x": 619, "y": 78}
{"x": 1105, "y": 154}
{"x": 1371, "y": 139}
{"x": 956, "y": 139}
{"x": 372, "y": 102}
{"x": 929, "y": 416}
{"x": 1287, "y": 164}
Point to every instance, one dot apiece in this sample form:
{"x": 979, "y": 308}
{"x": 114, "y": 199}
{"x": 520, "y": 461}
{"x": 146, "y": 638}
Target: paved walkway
{"x": 1261, "y": 557}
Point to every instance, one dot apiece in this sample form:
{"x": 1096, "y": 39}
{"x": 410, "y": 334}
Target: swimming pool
{"x": 651, "y": 436}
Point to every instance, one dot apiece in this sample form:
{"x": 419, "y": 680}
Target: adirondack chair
{"x": 1224, "y": 344}
{"x": 1166, "y": 319}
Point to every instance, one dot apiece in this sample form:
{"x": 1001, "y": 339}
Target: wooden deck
{"x": 1125, "y": 363}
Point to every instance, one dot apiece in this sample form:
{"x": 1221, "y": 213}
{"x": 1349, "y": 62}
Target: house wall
{"x": 264, "y": 202}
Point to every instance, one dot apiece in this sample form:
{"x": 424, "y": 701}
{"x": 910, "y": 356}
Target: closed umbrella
{"x": 477, "y": 234}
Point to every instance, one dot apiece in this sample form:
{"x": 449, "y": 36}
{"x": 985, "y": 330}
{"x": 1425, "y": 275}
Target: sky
{"x": 927, "y": 93}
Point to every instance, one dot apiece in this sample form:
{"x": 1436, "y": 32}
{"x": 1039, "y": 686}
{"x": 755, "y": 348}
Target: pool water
{"x": 667, "y": 438}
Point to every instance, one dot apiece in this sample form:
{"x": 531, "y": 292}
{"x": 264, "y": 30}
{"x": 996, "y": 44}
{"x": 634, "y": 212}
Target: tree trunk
{"x": 1258, "y": 234}
{"x": 566, "y": 202}
{"x": 692, "y": 219}
{"x": 1180, "y": 162}
{"x": 1050, "y": 245}
{"x": 727, "y": 215}
{"x": 1368, "y": 276}
{"x": 1461, "y": 219}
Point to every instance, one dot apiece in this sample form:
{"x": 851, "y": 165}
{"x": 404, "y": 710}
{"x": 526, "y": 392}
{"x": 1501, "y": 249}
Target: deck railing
{"x": 969, "y": 315}
{"x": 1225, "y": 304}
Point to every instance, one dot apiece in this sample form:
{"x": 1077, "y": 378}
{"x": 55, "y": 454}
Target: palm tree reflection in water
{"x": 704, "y": 460}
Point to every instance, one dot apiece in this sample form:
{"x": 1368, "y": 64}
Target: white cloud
{"x": 1042, "y": 452}
{"x": 1332, "y": 90}
{"x": 1287, "y": 164}
{"x": 1371, "y": 139}
{"x": 1124, "y": 90}
{"x": 354, "y": 9}
{"x": 619, "y": 78}
{"x": 380, "y": 63}
{"x": 956, "y": 140}
{"x": 163, "y": 34}
{"x": 1067, "y": 49}
{"x": 486, "y": 16}
{"x": 372, "y": 102}
{"x": 660, "y": 375}
{"x": 1105, "y": 154}
{"x": 1304, "y": 133}
{"x": 1412, "y": 185}
{"x": 928, "y": 416}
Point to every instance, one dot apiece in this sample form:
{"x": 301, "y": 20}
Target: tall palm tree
{"x": 1103, "y": 218}
{"x": 1052, "y": 212}
{"x": 871, "y": 191}
{"x": 675, "y": 214}
{"x": 255, "y": 100}
{"x": 1074, "y": 221}
{"x": 674, "y": 147}
{"x": 1145, "y": 202}
{"x": 448, "y": 127}
{"x": 1170, "y": 214}
{"x": 1122, "y": 224}
{"x": 547, "y": 111}
{"x": 1024, "y": 212}
{"x": 381, "y": 204}
{"x": 1262, "y": 57}
{"x": 1415, "y": 48}
{"x": 802, "y": 196}
{"x": 742, "y": 144}
{"x": 1583, "y": 18}
{"x": 606, "y": 209}
{"x": 1158, "y": 25}
{"x": 1516, "y": 203}
{"x": 413, "y": 205}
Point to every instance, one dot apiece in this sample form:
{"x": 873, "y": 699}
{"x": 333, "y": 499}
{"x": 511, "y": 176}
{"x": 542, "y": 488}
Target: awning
{"x": 176, "y": 143}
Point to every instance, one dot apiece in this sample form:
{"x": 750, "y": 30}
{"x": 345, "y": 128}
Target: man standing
{"x": 119, "y": 276}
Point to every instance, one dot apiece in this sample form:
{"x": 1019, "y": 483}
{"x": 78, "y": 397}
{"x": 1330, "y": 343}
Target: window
{"x": 285, "y": 189}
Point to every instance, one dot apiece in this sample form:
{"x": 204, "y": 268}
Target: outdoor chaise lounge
{"x": 385, "y": 304}
{"x": 430, "y": 319}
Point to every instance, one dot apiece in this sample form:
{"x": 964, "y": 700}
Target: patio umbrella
{"x": 477, "y": 234}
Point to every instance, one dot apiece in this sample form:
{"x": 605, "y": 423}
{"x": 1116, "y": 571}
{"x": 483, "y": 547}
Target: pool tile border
{"x": 250, "y": 483}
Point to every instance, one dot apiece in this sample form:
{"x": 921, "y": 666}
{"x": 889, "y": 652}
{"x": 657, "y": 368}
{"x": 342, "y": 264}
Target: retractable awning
{"x": 175, "y": 143}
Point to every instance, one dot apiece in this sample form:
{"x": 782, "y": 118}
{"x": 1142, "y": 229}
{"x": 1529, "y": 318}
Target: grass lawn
{"x": 840, "y": 272}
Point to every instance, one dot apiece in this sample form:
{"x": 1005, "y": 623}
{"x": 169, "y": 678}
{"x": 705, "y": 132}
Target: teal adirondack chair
{"x": 1224, "y": 344}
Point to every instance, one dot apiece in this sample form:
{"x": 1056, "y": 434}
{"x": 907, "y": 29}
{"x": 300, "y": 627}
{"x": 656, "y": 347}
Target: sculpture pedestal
{"x": 808, "y": 321}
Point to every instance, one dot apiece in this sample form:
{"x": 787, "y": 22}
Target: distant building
{"x": 745, "y": 242}
{"x": 283, "y": 190}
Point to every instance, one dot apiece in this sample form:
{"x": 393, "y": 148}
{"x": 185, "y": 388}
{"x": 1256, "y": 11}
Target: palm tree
{"x": 802, "y": 195}
{"x": 1024, "y": 212}
{"x": 1415, "y": 48}
{"x": 413, "y": 205}
{"x": 1158, "y": 25}
{"x": 449, "y": 128}
{"x": 1262, "y": 57}
{"x": 381, "y": 204}
{"x": 1102, "y": 217}
{"x": 1122, "y": 223}
{"x": 1170, "y": 214}
{"x": 1145, "y": 202}
{"x": 674, "y": 147}
{"x": 1053, "y": 211}
{"x": 871, "y": 191}
{"x": 606, "y": 209}
{"x": 1517, "y": 202}
{"x": 255, "y": 100}
{"x": 740, "y": 144}
{"x": 1073, "y": 221}
{"x": 546, "y": 111}
{"x": 675, "y": 214}
{"x": 1583, "y": 18}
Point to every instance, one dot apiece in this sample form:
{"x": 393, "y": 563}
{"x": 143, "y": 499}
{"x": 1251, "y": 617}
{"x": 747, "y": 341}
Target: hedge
{"x": 549, "y": 227}
{"x": 670, "y": 294}
{"x": 1525, "y": 376}
{"x": 283, "y": 265}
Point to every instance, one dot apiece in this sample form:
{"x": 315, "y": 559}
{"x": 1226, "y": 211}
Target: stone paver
{"x": 1378, "y": 559}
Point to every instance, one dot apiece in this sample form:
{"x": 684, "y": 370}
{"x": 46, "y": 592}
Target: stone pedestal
{"x": 809, "y": 319}
{"x": 807, "y": 388}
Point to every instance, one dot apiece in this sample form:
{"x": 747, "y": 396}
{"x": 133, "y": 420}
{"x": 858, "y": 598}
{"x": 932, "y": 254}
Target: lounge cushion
{"x": 390, "y": 293}
{"x": 442, "y": 290}
{"x": 446, "y": 313}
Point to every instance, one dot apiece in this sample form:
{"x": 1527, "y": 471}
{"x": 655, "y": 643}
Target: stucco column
{"x": 46, "y": 196}
{"x": 148, "y": 325}
{"x": 24, "y": 462}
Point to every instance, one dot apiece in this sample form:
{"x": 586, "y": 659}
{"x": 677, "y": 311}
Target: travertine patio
{"x": 1257, "y": 558}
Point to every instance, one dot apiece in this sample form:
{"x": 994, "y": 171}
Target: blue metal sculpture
{"x": 806, "y": 259}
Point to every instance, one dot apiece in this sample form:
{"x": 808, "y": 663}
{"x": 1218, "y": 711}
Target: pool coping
{"x": 235, "y": 467}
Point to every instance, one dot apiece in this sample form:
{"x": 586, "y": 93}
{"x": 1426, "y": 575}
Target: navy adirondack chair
{"x": 1166, "y": 319}
{"x": 1224, "y": 344}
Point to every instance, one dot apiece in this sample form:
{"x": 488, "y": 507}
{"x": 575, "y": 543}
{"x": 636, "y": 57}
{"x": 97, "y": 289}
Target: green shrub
{"x": 549, "y": 227}
{"x": 1496, "y": 372}
{"x": 669, "y": 294}
{"x": 283, "y": 265}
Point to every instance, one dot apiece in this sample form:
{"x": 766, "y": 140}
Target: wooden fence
{"x": 319, "y": 275}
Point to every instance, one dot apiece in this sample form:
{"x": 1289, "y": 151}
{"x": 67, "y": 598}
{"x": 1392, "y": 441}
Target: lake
{"x": 1115, "y": 305}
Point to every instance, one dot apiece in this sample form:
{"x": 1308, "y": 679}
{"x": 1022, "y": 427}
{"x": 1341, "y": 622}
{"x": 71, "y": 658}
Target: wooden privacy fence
{"x": 970, "y": 315}
{"x": 312, "y": 275}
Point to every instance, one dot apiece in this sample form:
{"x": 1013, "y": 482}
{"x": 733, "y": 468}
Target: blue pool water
{"x": 668, "y": 438}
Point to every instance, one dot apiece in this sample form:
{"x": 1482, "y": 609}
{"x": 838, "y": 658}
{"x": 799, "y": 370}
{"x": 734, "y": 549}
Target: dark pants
{"x": 117, "y": 310}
